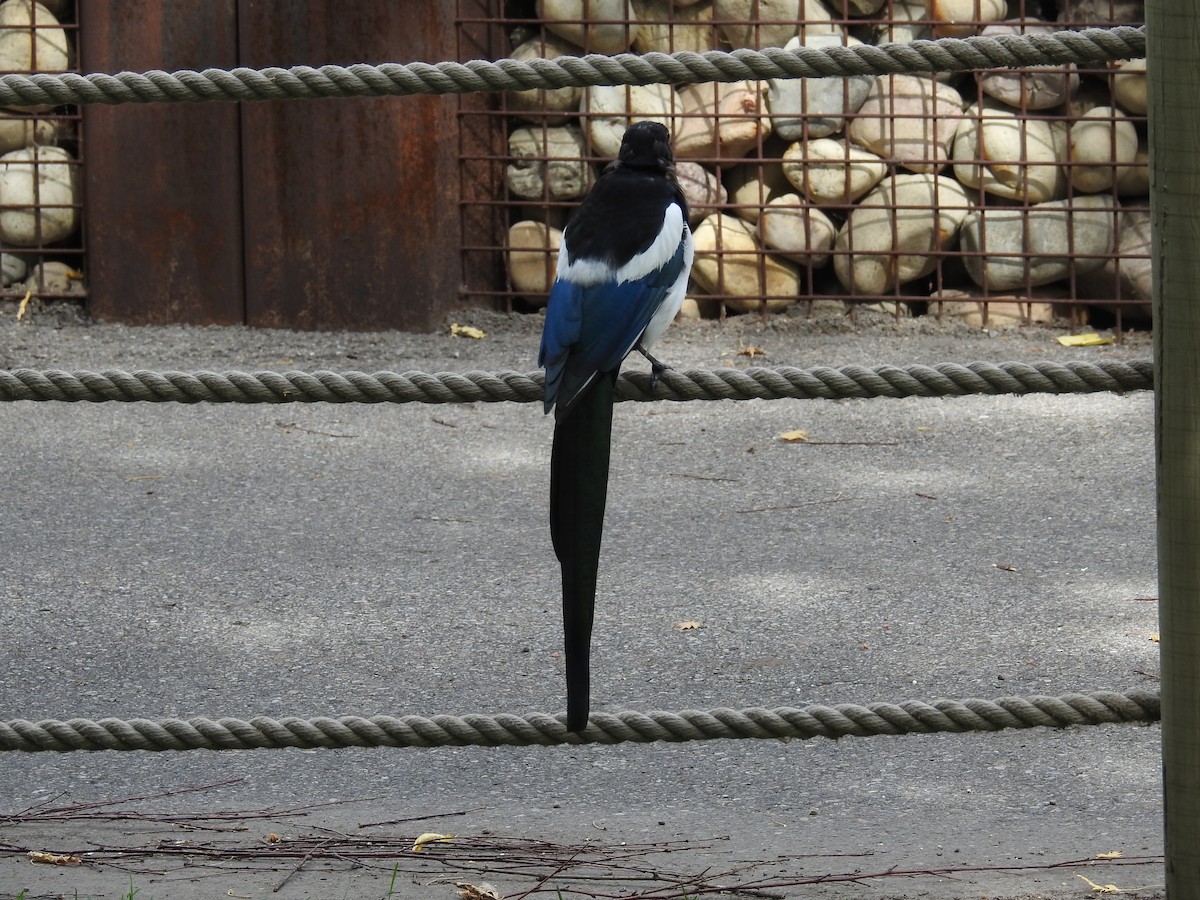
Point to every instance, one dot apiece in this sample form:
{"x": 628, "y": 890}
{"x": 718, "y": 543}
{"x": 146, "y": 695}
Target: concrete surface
{"x": 168, "y": 560}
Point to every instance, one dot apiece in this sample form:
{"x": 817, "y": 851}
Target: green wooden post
{"x": 1173, "y": 40}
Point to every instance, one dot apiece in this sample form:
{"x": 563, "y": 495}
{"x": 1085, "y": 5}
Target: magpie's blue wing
{"x": 591, "y": 328}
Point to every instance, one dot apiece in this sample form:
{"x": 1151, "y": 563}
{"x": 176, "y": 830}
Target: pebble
{"x": 882, "y": 244}
{"x": 1129, "y": 87}
{"x": 963, "y": 18}
{"x": 1038, "y": 244}
{"x": 1131, "y": 272}
{"x": 804, "y": 108}
{"x": 40, "y": 213}
{"x": 797, "y": 230}
{"x": 13, "y": 268}
{"x": 829, "y": 171}
{"x": 605, "y": 31}
{"x": 1031, "y": 87}
{"x": 720, "y": 120}
{"x": 547, "y": 162}
{"x": 701, "y": 188}
{"x": 530, "y": 267}
{"x": 556, "y": 103}
{"x": 1011, "y": 156}
{"x": 610, "y": 109}
{"x": 752, "y": 185}
{"x": 910, "y": 119}
{"x": 730, "y": 261}
{"x": 669, "y": 26}
{"x": 54, "y": 277}
{"x": 1102, "y": 141}
{"x": 21, "y": 131}
{"x": 755, "y": 24}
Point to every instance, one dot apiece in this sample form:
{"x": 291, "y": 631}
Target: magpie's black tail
{"x": 578, "y": 490}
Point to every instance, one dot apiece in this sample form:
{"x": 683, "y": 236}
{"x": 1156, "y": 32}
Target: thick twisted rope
{"x": 908, "y": 717}
{"x": 944, "y": 379}
{"x": 395, "y": 79}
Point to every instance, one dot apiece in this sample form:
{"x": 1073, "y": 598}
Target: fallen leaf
{"x": 273, "y": 838}
{"x": 1154, "y": 637}
{"x": 751, "y": 351}
{"x": 795, "y": 436}
{"x": 484, "y": 891}
{"x": 1112, "y": 854}
{"x": 430, "y": 837}
{"x": 1083, "y": 340}
{"x": 23, "y": 305}
{"x": 469, "y": 331}
{"x": 687, "y": 626}
{"x": 54, "y": 859}
{"x": 1099, "y": 888}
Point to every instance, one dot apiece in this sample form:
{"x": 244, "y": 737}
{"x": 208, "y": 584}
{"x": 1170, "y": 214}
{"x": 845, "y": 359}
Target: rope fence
{"x": 843, "y": 720}
{"x": 823, "y": 382}
{"x": 392, "y": 79}
{"x": 396, "y": 79}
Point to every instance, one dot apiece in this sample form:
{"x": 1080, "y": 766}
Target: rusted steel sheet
{"x": 351, "y": 205}
{"x": 162, "y": 182}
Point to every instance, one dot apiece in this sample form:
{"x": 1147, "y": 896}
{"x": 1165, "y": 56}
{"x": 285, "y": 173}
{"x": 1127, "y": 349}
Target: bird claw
{"x": 657, "y": 367}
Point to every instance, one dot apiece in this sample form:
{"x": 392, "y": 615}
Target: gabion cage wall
{"x": 1012, "y": 193}
{"x": 41, "y": 210}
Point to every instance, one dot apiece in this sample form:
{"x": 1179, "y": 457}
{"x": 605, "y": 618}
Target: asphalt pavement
{"x": 162, "y": 560}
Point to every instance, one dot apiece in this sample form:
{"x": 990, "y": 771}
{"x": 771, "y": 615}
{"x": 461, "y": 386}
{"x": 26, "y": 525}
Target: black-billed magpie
{"x": 622, "y": 274}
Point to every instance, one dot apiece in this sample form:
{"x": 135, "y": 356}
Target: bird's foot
{"x": 657, "y": 367}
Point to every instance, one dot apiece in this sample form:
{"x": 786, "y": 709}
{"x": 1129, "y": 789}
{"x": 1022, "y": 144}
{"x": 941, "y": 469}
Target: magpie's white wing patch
{"x": 588, "y": 272}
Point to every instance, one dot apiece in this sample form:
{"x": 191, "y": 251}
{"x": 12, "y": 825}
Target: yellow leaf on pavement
{"x": 795, "y": 436}
{"x": 470, "y": 331}
{"x": 430, "y": 837}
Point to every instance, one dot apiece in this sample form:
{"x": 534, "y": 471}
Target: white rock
{"x": 829, "y": 171}
{"x": 896, "y": 232}
{"x": 730, "y": 262}
{"x": 1134, "y": 179}
{"x": 980, "y": 309}
{"x": 668, "y": 26}
{"x": 558, "y": 102}
{"x": 720, "y": 121}
{"x": 1033, "y": 87}
{"x": 752, "y": 185}
{"x": 701, "y": 188}
{"x": 38, "y": 193}
{"x": 532, "y": 258}
{"x": 1011, "y": 156}
{"x": 31, "y": 41}
{"x": 1127, "y": 275}
{"x": 54, "y": 277}
{"x": 815, "y": 107}
{"x": 13, "y": 268}
{"x": 1004, "y": 249}
{"x": 796, "y": 230}
{"x": 610, "y": 109}
{"x": 547, "y": 164}
{"x": 909, "y": 21}
{"x": 962, "y": 18}
{"x": 1129, "y": 87}
{"x": 22, "y": 131}
{"x": 598, "y": 26}
{"x": 1103, "y": 141}
{"x": 909, "y": 119}
{"x": 755, "y": 24}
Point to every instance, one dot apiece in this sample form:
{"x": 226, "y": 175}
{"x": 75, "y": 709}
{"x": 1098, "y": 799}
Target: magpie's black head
{"x": 646, "y": 145}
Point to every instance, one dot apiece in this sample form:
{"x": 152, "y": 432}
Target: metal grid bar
{"x": 957, "y": 222}
{"x": 41, "y": 156}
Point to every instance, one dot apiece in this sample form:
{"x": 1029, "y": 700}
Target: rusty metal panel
{"x": 351, "y": 205}
{"x": 163, "y": 181}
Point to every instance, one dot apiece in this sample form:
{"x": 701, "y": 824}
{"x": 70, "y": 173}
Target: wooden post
{"x": 1173, "y": 36}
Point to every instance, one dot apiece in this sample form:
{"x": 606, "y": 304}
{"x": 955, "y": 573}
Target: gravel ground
{"x": 163, "y": 560}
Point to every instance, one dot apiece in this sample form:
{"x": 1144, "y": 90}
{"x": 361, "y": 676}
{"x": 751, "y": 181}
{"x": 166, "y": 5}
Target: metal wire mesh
{"x": 41, "y": 149}
{"x": 1020, "y": 194}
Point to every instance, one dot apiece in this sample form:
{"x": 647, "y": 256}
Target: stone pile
{"x": 1006, "y": 185}
{"x": 39, "y": 173}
